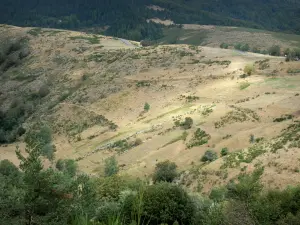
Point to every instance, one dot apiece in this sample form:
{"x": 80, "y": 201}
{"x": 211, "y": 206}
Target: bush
{"x": 107, "y": 211}
{"x": 238, "y": 46}
{"x": 209, "y": 156}
{"x": 224, "y": 45}
{"x": 249, "y": 69}
{"x": 245, "y": 47}
{"x": 166, "y": 203}
{"x": 8, "y": 169}
{"x": 274, "y": 50}
{"x": 111, "y": 166}
{"x": 187, "y": 124}
{"x": 165, "y": 171}
{"x": 146, "y": 107}
{"x": 224, "y": 151}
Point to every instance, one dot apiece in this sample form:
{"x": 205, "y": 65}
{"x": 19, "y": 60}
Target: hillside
{"x": 214, "y": 36}
{"x": 128, "y": 19}
{"x": 92, "y": 89}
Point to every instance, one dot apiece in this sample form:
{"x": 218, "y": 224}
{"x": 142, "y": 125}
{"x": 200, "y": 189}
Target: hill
{"x": 92, "y": 92}
{"x": 128, "y": 19}
{"x": 259, "y": 41}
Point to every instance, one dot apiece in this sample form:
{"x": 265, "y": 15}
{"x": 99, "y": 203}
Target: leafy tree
{"x": 166, "y": 203}
{"x": 209, "y": 155}
{"x": 187, "y": 124}
{"x": 111, "y": 166}
{"x": 165, "y": 171}
{"x": 42, "y": 139}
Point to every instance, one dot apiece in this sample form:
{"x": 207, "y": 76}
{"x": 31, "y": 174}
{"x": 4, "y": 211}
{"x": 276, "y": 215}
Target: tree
{"x": 274, "y": 50}
{"x": 11, "y": 194}
{"x": 111, "y": 166}
{"x": 146, "y": 107}
{"x": 165, "y": 171}
{"x": 41, "y": 138}
{"x": 187, "y": 124}
{"x": 165, "y": 203}
{"x": 209, "y": 155}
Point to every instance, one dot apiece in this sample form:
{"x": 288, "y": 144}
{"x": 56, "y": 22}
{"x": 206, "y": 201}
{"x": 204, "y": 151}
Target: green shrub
{"x": 200, "y": 138}
{"x": 224, "y": 45}
{"x": 165, "y": 171}
{"x": 238, "y": 46}
{"x": 165, "y": 203}
{"x": 146, "y": 107}
{"x": 111, "y": 166}
{"x": 245, "y": 47}
{"x": 247, "y": 187}
{"x": 224, "y": 151}
{"x": 210, "y": 156}
{"x": 107, "y": 211}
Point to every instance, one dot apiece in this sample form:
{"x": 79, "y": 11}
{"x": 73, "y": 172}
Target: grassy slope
{"x": 99, "y": 75}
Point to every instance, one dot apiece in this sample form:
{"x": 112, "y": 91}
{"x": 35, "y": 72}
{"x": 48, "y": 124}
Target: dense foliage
{"x": 60, "y": 195}
{"x": 270, "y": 14}
{"x": 128, "y": 19}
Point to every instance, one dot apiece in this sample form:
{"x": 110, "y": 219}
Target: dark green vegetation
{"x": 199, "y": 138}
{"x": 186, "y": 124}
{"x": 128, "y": 19}
{"x": 165, "y": 171}
{"x": 256, "y": 14}
{"x": 61, "y": 195}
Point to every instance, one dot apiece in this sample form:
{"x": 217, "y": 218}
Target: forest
{"x": 128, "y": 19}
{"x": 59, "y": 194}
